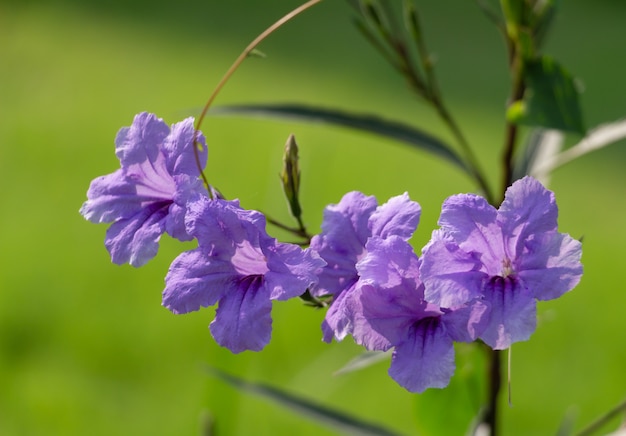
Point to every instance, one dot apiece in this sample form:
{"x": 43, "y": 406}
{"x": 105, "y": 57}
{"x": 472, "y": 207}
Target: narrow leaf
{"x": 320, "y": 414}
{"x": 600, "y": 137}
{"x": 551, "y": 98}
{"x": 367, "y": 123}
{"x": 363, "y": 360}
{"x": 543, "y": 145}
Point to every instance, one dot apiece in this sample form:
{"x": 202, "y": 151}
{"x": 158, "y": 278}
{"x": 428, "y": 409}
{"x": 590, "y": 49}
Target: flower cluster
{"x": 237, "y": 264}
{"x": 478, "y": 278}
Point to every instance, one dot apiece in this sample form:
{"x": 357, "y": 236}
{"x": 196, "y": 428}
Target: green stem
{"x": 494, "y": 381}
{"x": 433, "y": 95}
{"x": 510, "y": 141}
{"x": 465, "y": 147}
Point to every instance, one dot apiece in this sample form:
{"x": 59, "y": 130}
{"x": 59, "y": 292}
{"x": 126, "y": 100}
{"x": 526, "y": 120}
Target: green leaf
{"x": 320, "y": 414}
{"x": 551, "y": 98}
{"x": 366, "y": 123}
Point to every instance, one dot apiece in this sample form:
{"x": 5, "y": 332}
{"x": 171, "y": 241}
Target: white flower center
{"x": 507, "y": 268}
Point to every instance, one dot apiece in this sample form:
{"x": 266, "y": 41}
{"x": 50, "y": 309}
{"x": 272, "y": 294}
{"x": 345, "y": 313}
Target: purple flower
{"x": 507, "y": 258}
{"x": 345, "y": 230}
{"x": 239, "y": 265}
{"x": 394, "y": 314}
{"x": 147, "y": 195}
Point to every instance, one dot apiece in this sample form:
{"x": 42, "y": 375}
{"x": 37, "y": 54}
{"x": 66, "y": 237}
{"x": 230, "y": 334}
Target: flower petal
{"x": 291, "y": 270}
{"x": 471, "y": 222}
{"x": 243, "y": 318}
{"x": 426, "y": 359}
{"x": 344, "y": 234}
{"x": 220, "y": 225}
{"x": 550, "y": 266}
{"x": 391, "y": 293}
{"x": 451, "y": 276}
{"x": 363, "y": 318}
{"x": 178, "y": 147}
{"x": 468, "y": 322}
{"x": 513, "y": 315}
{"x": 528, "y": 209}
{"x": 136, "y": 239}
{"x": 110, "y": 198}
{"x": 197, "y": 280}
{"x": 339, "y": 319}
{"x": 141, "y": 141}
{"x": 398, "y": 216}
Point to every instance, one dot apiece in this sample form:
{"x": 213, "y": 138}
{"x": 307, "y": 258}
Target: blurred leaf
{"x": 600, "y": 137}
{"x": 566, "y": 428}
{"x": 323, "y": 415}
{"x": 542, "y": 146}
{"x": 492, "y": 15}
{"x": 364, "y": 360}
{"x": 367, "y": 123}
{"x": 545, "y": 11}
{"x": 257, "y": 53}
{"x": 551, "y": 99}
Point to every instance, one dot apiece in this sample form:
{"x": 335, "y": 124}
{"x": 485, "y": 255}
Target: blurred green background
{"x": 85, "y": 346}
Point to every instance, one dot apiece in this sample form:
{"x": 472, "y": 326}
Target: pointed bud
{"x": 290, "y": 176}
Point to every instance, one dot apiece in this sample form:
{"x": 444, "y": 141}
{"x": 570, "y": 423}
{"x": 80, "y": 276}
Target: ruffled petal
{"x": 426, "y": 359}
{"x": 528, "y": 209}
{"x": 178, "y": 148}
{"x": 451, "y": 276}
{"x": 136, "y": 239}
{"x": 342, "y": 241}
{"x": 197, "y": 280}
{"x": 339, "y": 319}
{"x": 110, "y": 198}
{"x": 291, "y": 270}
{"x": 243, "y": 318}
{"x": 391, "y": 293}
{"x": 220, "y": 225}
{"x": 398, "y": 216}
{"x": 550, "y": 266}
{"x": 141, "y": 141}
{"x": 513, "y": 315}
{"x": 471, "y": 222}
{"x": 361, "y": 319}
{"x": 468, "y": 322}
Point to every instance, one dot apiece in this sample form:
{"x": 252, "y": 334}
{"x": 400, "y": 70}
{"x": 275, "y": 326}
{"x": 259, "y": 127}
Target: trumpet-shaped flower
{"x": 346, "y": 228}
{"x": 146, "y": 197}
{"x": 507, "y": 258}
{"x": 240, "y": 266}
{"x": 395, "y": 314}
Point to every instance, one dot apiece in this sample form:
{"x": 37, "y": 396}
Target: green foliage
{"x": 366, "y": 123}
{"x": 332, "y": 418}
{"x": 551, "y": 100}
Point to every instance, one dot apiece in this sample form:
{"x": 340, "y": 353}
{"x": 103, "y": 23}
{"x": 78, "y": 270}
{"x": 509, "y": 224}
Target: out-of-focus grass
{"x": 86, "y": 348}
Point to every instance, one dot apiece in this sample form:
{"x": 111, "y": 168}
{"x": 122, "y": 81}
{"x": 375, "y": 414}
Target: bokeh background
{"x": 85, "y": 346}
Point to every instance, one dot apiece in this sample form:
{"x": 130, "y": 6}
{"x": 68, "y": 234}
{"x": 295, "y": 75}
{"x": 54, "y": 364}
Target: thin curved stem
{"x": 234, "y": 67}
